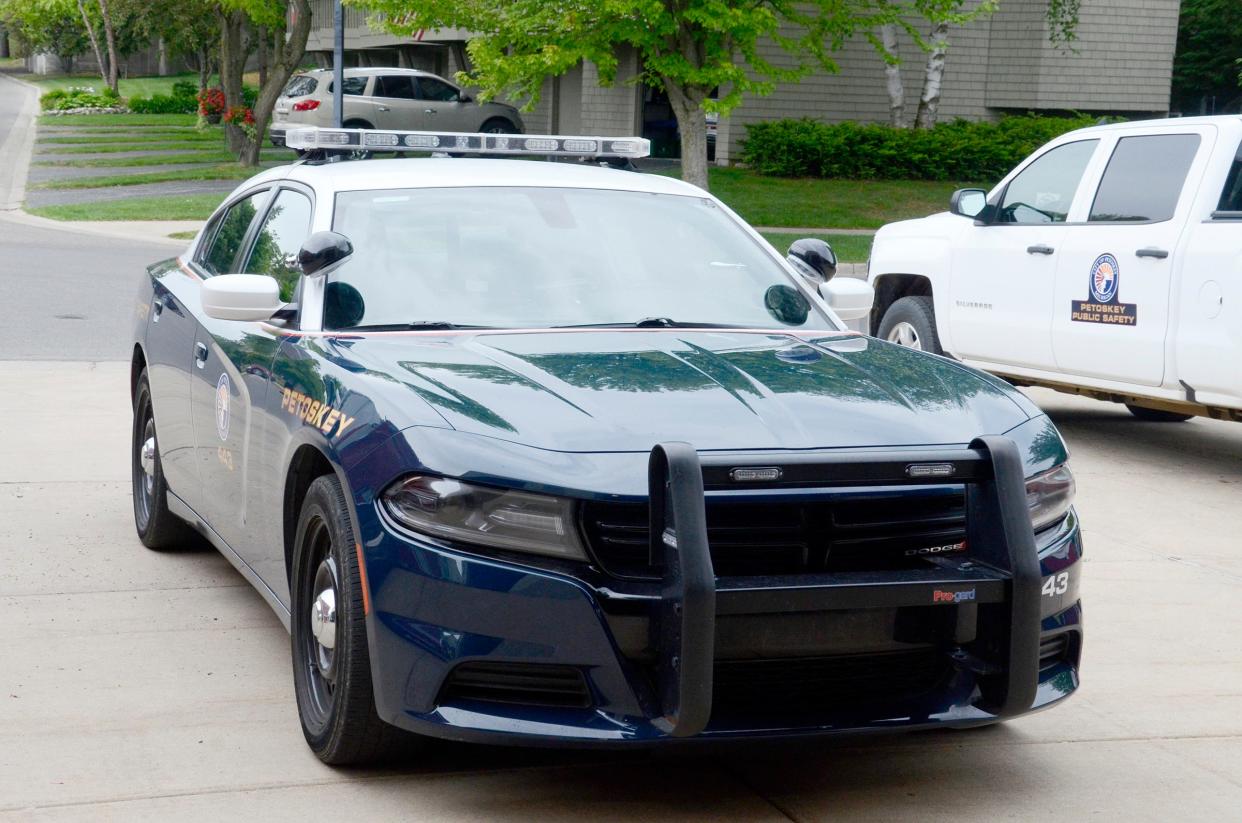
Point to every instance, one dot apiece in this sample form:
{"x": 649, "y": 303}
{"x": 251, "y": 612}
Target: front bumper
{"x": 978, "y": 639}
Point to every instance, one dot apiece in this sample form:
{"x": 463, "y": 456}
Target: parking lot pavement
{"x": 143, "y": 685}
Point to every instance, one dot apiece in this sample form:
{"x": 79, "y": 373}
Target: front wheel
{"x": 498, "y": 125}
{"x": 158, "y": 528}
{"x": 331, "y": 662}
{"x": 911, "y": 322}
{"x": 1157, "y": 416}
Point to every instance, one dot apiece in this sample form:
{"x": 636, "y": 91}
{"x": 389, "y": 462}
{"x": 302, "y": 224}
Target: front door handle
{"x": 429, "y": 111}
{"x": 1158, "y": 254}
{"x": 157, "y": 308}
{"x": 200, "y": 354}
{"x": 384, "y": 108}
{"x": 1040, "y": 249}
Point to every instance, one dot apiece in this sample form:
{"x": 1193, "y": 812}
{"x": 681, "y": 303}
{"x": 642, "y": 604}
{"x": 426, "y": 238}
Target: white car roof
{"x": 452, "y": 172}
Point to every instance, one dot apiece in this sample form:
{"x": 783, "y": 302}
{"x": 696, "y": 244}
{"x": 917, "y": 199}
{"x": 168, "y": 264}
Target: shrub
{"x": 958, "y": 150}
{"x": 250, "y": 95}
{"x": 163, "y": 104}
{"x": 78, "y": 97}
{"x": 185, "y": 88}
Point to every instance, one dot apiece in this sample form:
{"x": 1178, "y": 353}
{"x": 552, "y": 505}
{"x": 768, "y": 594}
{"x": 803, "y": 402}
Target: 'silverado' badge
{"x": 222, "y": 407}
{"x": 1103, "y": 285}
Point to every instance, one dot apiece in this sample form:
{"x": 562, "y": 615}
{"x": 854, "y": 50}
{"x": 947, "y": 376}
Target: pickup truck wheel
{"x": 911, "y": 322}
{"x": 331, "y": 661}
{"x": 1157, "y": 416}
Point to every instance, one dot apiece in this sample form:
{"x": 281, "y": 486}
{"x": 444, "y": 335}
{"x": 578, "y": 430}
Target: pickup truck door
{"x": 1003, "y": 272}
{"x": 233, "y": 372}
{"x": 1115, "y": 269}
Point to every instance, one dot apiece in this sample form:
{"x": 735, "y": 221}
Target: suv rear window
{"x": 1144, "y": 178}
{"x": 301, "y": 86}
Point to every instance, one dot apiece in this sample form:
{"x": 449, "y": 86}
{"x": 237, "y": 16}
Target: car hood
{"x": 625, "y": 390}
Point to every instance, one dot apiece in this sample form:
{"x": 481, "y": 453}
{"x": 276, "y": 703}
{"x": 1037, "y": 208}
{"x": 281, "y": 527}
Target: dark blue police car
{"x": 531, "y": 452}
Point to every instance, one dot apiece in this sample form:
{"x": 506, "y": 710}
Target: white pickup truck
{"x": 1107, "y": 264}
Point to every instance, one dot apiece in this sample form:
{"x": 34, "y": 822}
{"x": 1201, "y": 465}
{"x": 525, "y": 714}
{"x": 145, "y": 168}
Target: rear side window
{"x": 1144, "y": 178}
{"x": 394, "y": 85}
{"x": 351, "y": 85}
{"x": 1044, "y": 190}
{"x": 301, "y": 86}
{"x": 230, "y": 231}
{"x": 1231, "y": 195}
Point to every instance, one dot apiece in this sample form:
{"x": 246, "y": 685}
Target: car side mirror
{"x": 849, "y": 298}
{"x": 813, "y": 258}
{"x": 464, "y": 98}
{"x": 323, "y": 252}
{"x": 252, "y": 297}
{"x": 968, "y": 202}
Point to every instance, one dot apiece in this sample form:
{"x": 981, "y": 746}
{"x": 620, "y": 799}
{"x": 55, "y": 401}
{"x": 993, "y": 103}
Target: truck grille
{"x": 872, "y": 534}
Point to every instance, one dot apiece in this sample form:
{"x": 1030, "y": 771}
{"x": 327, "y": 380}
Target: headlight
{"x": 1049, "y": 495}
{"x": 512, "y": 520}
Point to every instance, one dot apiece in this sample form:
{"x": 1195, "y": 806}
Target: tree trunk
{"x": 110, "y": 36}
{"x": 204, "y": 68}
{"x": 163, "y": 67}
{"x": 892, "y": 74}
{"x": 687, "y": 105}
{"x": 929, "y": 102}
{"x": 233, "y": 55}
{"x": 264, "y": 55}
{"x": 288, "y": 55}
{"x": 90, "y": 32}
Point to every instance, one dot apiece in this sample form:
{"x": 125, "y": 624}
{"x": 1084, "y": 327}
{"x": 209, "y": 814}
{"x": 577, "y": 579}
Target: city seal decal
{"x": 1102, "y": 305}
{"x": 222, "y": 407}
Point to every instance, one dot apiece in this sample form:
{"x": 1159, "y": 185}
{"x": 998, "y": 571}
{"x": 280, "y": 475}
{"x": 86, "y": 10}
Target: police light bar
{"x": 541, "y": 145}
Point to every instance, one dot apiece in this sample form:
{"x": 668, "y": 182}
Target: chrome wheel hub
{"x": 904, "y": 334}
{"x": 146, "y": 459}
{"x": 323, "y": 618}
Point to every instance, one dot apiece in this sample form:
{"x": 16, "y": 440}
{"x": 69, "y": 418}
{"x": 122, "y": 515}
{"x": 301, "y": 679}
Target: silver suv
{"x": 379, "y": 98}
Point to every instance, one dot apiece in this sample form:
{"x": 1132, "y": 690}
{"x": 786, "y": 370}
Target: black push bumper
{"x": 1002, "y": 569}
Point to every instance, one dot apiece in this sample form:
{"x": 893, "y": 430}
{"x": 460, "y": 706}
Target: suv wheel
{"x": 911, "y": 322}
{"x": 498, "y": 125}
{"x": 331, "y": 662}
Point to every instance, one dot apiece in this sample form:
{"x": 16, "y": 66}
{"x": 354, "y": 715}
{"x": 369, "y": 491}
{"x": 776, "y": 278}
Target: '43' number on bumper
{"x": 1055, "y": 585}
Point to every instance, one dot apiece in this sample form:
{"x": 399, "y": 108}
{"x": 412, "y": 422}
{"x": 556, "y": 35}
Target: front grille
{"x": 824, "y": 684}
{"x": 531, "y": 684}
{"x": 870, "y": 534}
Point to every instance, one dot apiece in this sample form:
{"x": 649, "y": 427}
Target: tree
{"x": 50, "y": 26}
{"x": 690, "y": 48}
{"x": 1209, "y": 43}
{"x": 191, "y": 28}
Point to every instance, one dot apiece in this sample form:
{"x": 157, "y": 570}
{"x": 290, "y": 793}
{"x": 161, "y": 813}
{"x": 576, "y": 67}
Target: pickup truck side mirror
{"x": 968, "y": 202}
{"x": 813, "y": 258}
{"x": 252, "y": 297}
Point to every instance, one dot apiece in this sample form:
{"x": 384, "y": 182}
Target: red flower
{"x": 239, "y": 116}
{"x": 210, "y": 101}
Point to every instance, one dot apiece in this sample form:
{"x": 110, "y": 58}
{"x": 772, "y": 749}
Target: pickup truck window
{"x": 1144, "y": 178}
{"x": 1044, "y": 190}
{"x": 1231, "y": 195}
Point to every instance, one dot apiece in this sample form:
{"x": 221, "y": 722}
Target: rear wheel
{"x": 1157, "y": 416}
{"x": 158, "y": 528}
{"x": 331, "y": 662}
{"x": 911, "y": 322}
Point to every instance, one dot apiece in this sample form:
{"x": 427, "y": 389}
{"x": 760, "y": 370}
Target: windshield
{"x": 542, "y": 257}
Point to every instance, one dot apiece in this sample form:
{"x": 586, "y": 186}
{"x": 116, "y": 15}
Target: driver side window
{"x": 1044, "y": 190}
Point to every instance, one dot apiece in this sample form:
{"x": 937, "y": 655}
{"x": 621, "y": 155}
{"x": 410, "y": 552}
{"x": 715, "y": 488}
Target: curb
{"x": 95, "y": 228}
{"x": 19, "y": 145}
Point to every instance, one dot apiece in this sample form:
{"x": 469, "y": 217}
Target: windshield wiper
{"x": 416, "y": 325}
{"x": 653, "y": 323}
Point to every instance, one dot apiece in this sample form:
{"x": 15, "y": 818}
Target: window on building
{"x": 275, "y": 251}
{"x": 399, "y": 86}
{"x": 429, "y": 88}
{"x": 1044, "y": 191}
{"x": 229, "y": 232}
{"x": 1144, "y": 178}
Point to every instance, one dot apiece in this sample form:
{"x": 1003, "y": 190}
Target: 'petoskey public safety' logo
{"x": 222, "y": 407}
{"x": 1105, "y": 274}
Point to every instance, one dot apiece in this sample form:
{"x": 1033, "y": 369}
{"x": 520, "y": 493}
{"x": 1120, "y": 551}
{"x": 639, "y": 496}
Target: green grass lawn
{"x": 815, "y": 203}
{"x": 129, "y": 87}
{"x": 117, "y": 119}
{"x": 109, "y": 148}
{"x": 850, "y": 248}
{"x": 224, "y": 171}
{"x": 165, "y": 159}
{"x": 135, "y": 137}
{"x": 181, "y": 207}
{"x": 183, "y": 235}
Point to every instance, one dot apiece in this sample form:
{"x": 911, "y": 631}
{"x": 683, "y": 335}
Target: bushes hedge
{"x": 183, "y": 100}
{"x": 79, "y": 97}
{"x": 959, "y": 150}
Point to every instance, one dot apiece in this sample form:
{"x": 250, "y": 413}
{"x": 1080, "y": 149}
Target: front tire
{"x": 1157, "y": 416}
{"x": 498, "y": 125}
{"x": 331, "y": 661}
{"x": 911, "y": 322}
{"x": 158, "y": 528}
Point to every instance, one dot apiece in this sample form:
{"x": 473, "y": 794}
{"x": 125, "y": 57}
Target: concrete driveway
{"x": 140, "y": 685}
